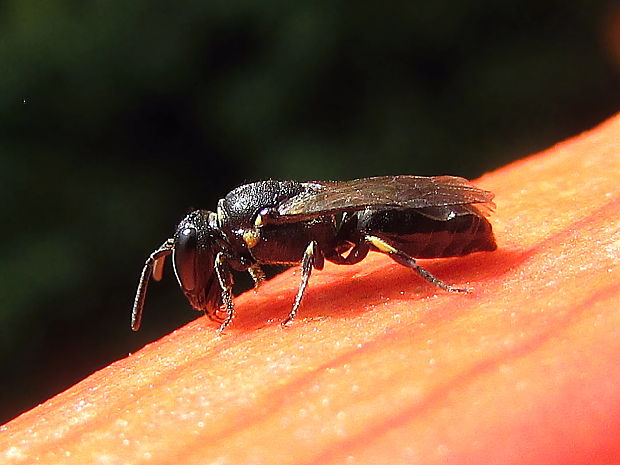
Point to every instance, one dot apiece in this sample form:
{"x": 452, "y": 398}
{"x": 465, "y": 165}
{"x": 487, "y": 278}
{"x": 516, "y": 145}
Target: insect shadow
{"x": 356, "y": 292}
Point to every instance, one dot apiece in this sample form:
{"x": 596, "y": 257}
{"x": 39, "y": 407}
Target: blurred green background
{"x": 117, "y": 117}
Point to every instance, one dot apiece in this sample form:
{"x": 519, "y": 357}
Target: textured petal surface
{"x": 380, "y": 367}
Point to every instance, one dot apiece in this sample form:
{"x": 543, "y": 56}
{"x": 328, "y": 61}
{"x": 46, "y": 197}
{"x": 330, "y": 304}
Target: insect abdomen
{"x": 421, "y": 236}
{"x": 459, "y": 236}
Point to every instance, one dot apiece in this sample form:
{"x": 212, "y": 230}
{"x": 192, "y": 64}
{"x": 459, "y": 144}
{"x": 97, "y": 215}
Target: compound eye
{"x": 184, "y": 258}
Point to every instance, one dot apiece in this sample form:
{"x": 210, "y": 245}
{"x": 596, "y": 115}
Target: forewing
{"x": 388, "y": 192}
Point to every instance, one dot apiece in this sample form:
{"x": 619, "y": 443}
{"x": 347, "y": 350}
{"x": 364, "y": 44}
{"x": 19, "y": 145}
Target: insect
{"x": 290, "y": 222}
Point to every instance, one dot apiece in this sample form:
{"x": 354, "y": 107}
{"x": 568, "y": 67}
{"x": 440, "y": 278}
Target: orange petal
{"x": 380, "y": 367}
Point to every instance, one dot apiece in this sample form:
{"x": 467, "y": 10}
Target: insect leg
{"x": 401, "y": 257}
{"x": 258, "y": 275}
{"x": 355, "y": 255}
{"x": 224, "y": 278}
{"x": 313, "y": 258}
{"x": 155, "y": 261}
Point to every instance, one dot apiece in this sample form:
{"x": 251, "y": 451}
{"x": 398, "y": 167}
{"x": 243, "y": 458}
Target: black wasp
{"x": 290, "y": 222}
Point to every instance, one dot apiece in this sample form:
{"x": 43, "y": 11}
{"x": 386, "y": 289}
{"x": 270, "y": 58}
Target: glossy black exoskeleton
{"x": 289, "y": 222}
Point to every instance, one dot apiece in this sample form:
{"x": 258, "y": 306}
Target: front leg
{"x": 257, "y": 274}
{"x": 313, "y": 258}
{"x": 224, "y": 278}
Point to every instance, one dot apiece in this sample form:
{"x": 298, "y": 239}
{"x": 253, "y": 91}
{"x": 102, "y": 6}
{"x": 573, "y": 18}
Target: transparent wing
{"x": 387, "y": 192}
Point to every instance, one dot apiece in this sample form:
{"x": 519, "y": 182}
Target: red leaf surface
{"x": 379, "y": 366}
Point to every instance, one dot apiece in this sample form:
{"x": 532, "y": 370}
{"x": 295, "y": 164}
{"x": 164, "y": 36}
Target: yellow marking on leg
{"x": 380, "y": 244}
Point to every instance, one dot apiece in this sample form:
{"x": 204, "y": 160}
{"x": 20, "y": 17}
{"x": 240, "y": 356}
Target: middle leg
{"x": 312, "y": 258}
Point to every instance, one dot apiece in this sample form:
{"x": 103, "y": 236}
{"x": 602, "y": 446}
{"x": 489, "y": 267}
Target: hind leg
{"x": 404, "y": 259}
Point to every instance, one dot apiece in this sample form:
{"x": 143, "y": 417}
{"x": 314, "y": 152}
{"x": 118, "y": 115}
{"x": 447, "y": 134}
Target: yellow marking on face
{"x": 258, "y": 222}
{"x": 381, "y": 244}
{"x": 250, "y": 237}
